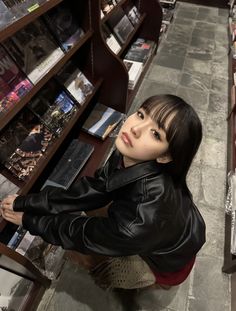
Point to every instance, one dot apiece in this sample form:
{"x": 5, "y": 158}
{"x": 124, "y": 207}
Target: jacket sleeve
{"x": 87, "y": 194}
{"x": 101, "y": 235}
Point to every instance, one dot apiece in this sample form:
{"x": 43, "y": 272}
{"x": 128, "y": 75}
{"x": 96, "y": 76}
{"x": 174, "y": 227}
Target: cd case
{"x": 69, "y": 165}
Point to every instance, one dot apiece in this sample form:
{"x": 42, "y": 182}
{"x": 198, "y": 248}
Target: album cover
{"x": 6, "y": 16}
{"x": 101, "y": 121}
{"x": 64, "y": 26}
{"x": 121, "y": 25}
{"x": 69, "y": 166}
{"x": 13, "y": 83}
{"x": 133, "y": 14}
{"x": 24, "y": 159}
{"x": 75, "y": 82}
{"x": 140, "y": 50}
{"x": 34, "y": 50}
{"x": 53, "y": 107}
{"x": 17, "y": 237}
{"x": 15, "y": 132}
{"x": 134, "y": 71}
{"x": 46, "y": 257}
{"x": 20, "y": 8}
{"x": 7, "y": 187}
{"x": 111, "y": 40}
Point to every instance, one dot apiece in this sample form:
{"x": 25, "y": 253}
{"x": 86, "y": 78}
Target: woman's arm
{"x": 87, "y": 194}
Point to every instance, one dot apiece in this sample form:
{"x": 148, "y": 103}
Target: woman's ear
{"x": 166, "y": 158}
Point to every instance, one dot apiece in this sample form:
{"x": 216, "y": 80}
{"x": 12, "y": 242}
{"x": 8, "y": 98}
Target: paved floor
{"x": 191, "y": 62}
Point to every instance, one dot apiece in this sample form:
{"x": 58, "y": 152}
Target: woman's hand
{"x": 7, "y": 210}
{"x": 14, "y": 217}
{"x": 7, "y": 202}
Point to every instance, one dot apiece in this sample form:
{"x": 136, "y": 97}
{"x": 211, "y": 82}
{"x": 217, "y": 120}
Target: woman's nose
{"x": 136, "y": 131}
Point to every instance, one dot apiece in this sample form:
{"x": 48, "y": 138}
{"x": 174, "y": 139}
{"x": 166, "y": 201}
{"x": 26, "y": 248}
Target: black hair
{"x": 183, "y": 132}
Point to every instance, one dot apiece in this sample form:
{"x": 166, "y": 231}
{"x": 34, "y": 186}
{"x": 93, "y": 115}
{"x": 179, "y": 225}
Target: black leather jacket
{"x": 149, "y": 215}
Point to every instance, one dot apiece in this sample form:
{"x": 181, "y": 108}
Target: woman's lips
{"x": 126, "y": 139}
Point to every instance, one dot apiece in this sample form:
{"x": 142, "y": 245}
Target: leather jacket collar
{"x": 121, "y": 177}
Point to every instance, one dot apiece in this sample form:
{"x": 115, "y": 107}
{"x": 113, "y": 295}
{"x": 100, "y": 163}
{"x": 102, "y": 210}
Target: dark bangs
{"x": 183, "y": 133}
{"x": 161, "y": 108}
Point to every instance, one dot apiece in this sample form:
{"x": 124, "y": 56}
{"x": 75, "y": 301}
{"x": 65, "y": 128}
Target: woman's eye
{"x": 140, "y": 114}
{"x": 156, "y": 134}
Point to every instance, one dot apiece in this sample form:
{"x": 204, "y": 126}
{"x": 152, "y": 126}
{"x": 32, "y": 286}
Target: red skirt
{"x": 174, "y": 278}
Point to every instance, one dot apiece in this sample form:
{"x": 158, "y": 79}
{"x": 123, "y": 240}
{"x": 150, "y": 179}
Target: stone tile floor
{"x": 191, "y": 62}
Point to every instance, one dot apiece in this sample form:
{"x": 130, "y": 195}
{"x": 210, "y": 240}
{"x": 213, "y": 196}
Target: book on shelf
{"x": 133, "y": 14}
{"x": 13, "y": 83}
{"x": 75, "y": 82}
{"x": 140, "y": 50}
{"x": 34, "y": 50}
{"x": 106, "y": 6}
{"x": 110, "y": 39}
{"x": 54, "y": 107}
{"x": 6, "y": 16}
{"x": 64, "y": 26}
{"x": 134, "y": 70}
{"x": 120, "y": 25}
{"x": 70, "y": 164}
{"x": 7, "y": 187}
{"x": 25, "y": 157}
{"x": 16, "y": 238}
{"x": 46, "y": 257}
{"x": 102, "y": 120}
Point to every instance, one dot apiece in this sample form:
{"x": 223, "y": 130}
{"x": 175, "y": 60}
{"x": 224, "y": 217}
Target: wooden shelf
{"x": 5, "y": 118}
{"x": 56, "y": 144}
{"x": 127, "y": 43}
{"x": 25, "y": 20}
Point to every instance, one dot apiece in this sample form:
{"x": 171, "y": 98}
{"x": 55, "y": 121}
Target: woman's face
{"x": 140, "y": 139}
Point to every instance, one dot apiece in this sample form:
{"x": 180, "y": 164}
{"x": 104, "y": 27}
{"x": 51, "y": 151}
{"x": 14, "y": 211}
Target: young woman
{"x": 153, "y": 230}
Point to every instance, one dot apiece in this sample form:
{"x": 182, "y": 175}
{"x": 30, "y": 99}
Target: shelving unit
{"x": 229, "y": 265}
{"x": 110, "y": 79}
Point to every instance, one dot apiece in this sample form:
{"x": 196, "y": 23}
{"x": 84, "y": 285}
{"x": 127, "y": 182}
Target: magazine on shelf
{"x": 24, "y": 159}
{"x": 134, "y": 71}
{"x": 34, "y": 50}
{"x": 75, "y": 82}
{"x": 6, "y": 16}
{"x": 69, "y": 166}
{"x": 64, "y": 26}
{"x": 21, "y": 8}
{"x": 53, "y": 107}
{"x": 106, "y": 6}
{"x": 6, "y": 187}
{"x": 120, "y": 25}
{"x": 133, "y": 14}
{"x": 102, "y": 120}
{"x": 140, "y": 50}
{"x": 110, "y": 39}
{"x": 15, "y": 132}
{"x": 46, "y": 257}
{"x": 13, "y": 83}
